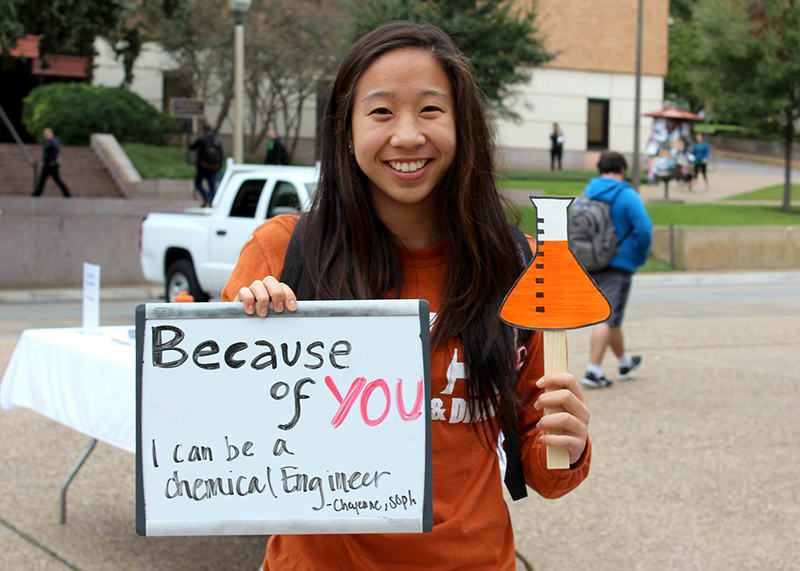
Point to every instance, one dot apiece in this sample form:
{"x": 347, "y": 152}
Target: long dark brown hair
{"x": 350, "y": 254}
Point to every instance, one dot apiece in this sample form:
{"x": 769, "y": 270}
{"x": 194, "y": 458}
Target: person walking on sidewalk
{"x": 276, "y": 152}
{"x": 634, "y": 231}
{"x": 701, "y": 152}
{"x": 209, "y": 161}
{"x": 50, "y": 164}
{"x": 556, "y": 147}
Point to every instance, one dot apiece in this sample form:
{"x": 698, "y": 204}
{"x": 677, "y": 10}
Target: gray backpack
{"x": 592, "y": 237}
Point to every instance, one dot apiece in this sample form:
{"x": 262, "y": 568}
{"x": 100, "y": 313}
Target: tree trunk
{"x": 787, "y": 185}
{"x": 225, "y": 107}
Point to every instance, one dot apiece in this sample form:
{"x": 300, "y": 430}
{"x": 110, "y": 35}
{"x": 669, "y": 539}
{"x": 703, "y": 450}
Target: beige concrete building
{"x": 589, "y": 88}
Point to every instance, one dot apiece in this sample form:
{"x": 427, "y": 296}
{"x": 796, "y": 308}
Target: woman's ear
{"x": 350, "y": 148}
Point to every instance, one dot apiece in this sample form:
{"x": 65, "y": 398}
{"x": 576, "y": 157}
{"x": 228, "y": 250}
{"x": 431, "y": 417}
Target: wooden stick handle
{"x": 555, "y": 361}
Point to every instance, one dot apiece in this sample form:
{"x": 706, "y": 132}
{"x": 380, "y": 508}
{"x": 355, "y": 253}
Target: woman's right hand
{"x": 261, "y": 292}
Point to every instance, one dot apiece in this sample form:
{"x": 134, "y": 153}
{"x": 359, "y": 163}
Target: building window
{"x": 597, "y": 127}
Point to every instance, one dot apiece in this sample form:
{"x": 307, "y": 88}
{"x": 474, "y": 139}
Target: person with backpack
{"x": 209, "y": 161}
{"x": 408, "y": 207}
{"x": 617, "y": 254}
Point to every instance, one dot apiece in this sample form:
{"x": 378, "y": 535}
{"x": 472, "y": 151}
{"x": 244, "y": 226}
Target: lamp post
{"x": 239, "y": 7}
{"x": 636, "y": 174}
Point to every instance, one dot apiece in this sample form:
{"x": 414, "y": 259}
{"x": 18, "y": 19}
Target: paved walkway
{"x": 694, "y": 468}
{"x": 722, "y": 182}
{"x": 726, "y": 178}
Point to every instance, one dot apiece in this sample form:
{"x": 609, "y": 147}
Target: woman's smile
{"x": 407, "y": 166}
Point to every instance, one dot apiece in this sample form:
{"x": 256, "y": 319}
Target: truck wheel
{"x": 181, "y": 277}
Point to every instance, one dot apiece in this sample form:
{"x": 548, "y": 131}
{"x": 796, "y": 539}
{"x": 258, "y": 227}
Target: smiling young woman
{"x": 407, "y": 207}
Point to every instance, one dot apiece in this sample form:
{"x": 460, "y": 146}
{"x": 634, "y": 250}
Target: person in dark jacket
{"x": 556, "y": 147}
{"x": 209, "y": 161}
{"x": 276, "y": 152}
{"x": 634, "y": 235}
{"x": 50, "y": 164}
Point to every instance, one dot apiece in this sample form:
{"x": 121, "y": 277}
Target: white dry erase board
{"x": 316, "y": 421}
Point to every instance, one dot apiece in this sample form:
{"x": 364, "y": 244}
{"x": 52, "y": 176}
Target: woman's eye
{"x": 380, "y": 111}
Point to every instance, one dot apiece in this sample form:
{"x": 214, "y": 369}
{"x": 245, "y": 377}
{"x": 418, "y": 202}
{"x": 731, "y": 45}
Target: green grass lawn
{"x": 579, "y": 176}
{"x": 721, "y": 215}
{"x": 768, "y": 193}
{"x": 551, "y": 187}
{"x": 159, "y": 162}
{"x": 170, "y": 162}
{"x": 698, "y": 215}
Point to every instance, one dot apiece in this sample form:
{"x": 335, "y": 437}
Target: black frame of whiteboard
{"x": 304, "y": 308}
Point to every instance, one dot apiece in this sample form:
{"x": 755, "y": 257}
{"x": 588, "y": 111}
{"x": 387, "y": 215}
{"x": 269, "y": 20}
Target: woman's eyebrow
{"x": 383, "y": 94}
{"x": 378, "y": 95}
{"x": 434, "y": 93}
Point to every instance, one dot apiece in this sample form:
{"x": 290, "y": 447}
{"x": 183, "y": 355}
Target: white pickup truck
{"x": 196, "y": 251}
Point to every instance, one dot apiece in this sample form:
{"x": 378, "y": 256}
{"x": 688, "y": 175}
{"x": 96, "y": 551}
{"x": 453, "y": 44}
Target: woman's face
{"x": 404, "y": 131}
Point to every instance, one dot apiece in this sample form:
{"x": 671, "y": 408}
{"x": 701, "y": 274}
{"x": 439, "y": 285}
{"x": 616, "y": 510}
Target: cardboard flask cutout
{"x": 553, "y": 294}
{"x": 316, "y": 421}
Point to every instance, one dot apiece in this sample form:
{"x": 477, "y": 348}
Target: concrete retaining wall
{"x": 166, "y": 188}
{"x": 45, "y": 241}
{"x": 729, "y": 247}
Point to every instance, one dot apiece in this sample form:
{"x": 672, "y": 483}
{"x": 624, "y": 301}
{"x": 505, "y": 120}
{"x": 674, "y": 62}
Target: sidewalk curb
{"x": 751, "y": 158}
{"x": 156, "y": 293}
{"x": 727, "y": 278}
{"x": 111, "y": 293}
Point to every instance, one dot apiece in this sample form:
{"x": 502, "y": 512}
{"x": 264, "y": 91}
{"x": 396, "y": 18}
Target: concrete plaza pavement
{"x": 694, "y": 460}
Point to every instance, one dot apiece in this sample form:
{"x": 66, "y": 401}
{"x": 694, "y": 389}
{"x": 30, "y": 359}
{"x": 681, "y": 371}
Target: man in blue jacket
{"x": 634, "y": 235}
{"x": 701, "y": 152}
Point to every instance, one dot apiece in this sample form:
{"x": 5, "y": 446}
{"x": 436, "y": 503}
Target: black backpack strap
{"x": 293, "y": 273}
{"x": 524, "y": 245}
{"x": 525, "y": 252}
{"x": 515, "y": 474}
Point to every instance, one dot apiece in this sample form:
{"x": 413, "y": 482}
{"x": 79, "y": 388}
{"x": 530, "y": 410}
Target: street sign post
{"x": 187, "y": 108}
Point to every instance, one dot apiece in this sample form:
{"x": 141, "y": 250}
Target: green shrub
{"x": 76, "y": 110}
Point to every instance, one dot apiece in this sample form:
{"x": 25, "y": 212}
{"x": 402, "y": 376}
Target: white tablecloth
{"x": 82, "y": 378}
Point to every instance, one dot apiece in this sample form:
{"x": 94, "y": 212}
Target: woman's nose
{"x": 407, "y": 134}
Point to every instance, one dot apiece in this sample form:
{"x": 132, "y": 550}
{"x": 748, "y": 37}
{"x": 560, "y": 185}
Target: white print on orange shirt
{"x": 460, "y": 410}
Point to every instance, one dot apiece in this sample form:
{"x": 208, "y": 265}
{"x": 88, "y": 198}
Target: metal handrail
{"x": 20, "y": 144}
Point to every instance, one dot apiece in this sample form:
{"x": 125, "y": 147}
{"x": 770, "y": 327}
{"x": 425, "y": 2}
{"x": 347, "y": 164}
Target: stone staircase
{"x": 81, "y": 170}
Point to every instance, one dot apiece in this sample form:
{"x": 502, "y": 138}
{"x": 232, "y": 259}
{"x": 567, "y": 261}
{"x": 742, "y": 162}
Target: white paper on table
{"x": 91, "y": 295}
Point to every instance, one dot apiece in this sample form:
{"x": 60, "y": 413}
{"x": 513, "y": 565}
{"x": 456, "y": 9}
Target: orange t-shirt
{"x": 472, "y": 526}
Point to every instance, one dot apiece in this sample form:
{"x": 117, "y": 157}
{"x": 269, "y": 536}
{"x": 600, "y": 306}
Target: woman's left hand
{"x": 562, "y": 389}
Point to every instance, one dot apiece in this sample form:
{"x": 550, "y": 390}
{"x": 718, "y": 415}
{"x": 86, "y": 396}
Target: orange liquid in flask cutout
{"x": 554, "y": 292}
